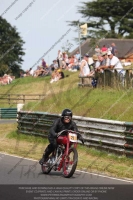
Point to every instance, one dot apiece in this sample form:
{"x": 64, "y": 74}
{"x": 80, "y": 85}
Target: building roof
{"x": 124, "y": 47}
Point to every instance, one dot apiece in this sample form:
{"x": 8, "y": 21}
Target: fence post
{"x": 23, "y": 98}
{"x": 9, "y": 99}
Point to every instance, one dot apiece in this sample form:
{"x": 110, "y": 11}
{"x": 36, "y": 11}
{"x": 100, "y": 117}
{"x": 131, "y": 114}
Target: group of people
{"x": 105, "y": 48}
{"x": 6, "y": 79}
{"x": 55, "y": 70}
{"x": 103, "y": 58}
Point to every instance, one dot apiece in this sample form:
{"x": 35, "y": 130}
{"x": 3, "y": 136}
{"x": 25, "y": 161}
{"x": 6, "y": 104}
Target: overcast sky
{"x": 41, "y": 24}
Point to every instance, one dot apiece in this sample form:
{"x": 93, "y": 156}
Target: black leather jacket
{"x": 59, "y": 125}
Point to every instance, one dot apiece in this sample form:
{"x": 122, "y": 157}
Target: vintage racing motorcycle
{"x": 65, "y": 157}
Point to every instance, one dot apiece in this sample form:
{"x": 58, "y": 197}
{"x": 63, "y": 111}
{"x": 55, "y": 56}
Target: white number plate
{"x": 72, "y": 137}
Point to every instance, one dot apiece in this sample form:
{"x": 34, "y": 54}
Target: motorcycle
{"x": 65, "y": 156}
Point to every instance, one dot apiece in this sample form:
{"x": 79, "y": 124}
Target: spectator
{"x": 77, "y": 55}
{"x": 102, "y": 62}
{"x": 114, "y": 64}
{"x": 104, "y": 48}
{"x": 59, "y": 59}
{"x": 128, "y": 63}
{"x": 21, "y": 75}
{"x": 44, "y": 64}
{"x": 113, "y": 49}
{"x": 96, "y": 61}
{"x": 97, "y": 50}
{"x": 106, "y": 59}
{"x": 84, "y": 68}
{"x": 29, "y": 72}
{"x": 71, "y": 63}
{"x": 55, "y": 64}
{"x": 38, "y": 71}
{"x": 61, "y": 74}
{"x": 55, "y": 76}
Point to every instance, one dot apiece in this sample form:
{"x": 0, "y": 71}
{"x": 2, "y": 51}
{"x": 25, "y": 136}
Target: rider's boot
{"x": 44, "y": 157}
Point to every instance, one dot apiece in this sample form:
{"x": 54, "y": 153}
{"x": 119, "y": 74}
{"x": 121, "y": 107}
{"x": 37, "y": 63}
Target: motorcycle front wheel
{"x": 70, "y": 163}
{"x": 46, "y": 169}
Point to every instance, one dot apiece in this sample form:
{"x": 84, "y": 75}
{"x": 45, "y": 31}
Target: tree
{"x": 107, "y": 18}
{"x": 67, "y": 46}
{"x": 11, "y": 51}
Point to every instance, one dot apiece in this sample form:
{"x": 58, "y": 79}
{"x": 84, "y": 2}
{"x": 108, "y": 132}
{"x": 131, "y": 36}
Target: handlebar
{"x": 64, "y": 132}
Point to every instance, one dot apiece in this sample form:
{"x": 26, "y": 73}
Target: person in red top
{"x": 104, "y": 48}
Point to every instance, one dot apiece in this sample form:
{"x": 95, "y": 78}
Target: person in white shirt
{"x": 84, "y": 67}
{"x": 59, "y": 58}
{"x": 114, "y": 63}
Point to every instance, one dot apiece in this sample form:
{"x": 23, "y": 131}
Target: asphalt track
{"x": 18, "y": 170}
{"x": 17, "y": 173}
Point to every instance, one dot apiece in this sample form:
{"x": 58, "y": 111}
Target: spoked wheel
{"x": 46, "y": 168}
{"x": 70, "y": 163}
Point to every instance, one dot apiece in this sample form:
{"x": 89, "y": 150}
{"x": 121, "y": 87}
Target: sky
{"x": 42, "y": 25}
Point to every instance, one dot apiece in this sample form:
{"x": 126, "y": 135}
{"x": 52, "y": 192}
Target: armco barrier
{"x": 8, "y": 113}
{"x": 109, "y": 135}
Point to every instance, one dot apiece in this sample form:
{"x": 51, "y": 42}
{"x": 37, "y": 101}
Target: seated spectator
{"x": 61, "y": 74}
{"x": 57, "y": 75}
{"x": 71, "y": 63}
{"x": 30, "y": 72}
{"x": 46, "y": 71}
{"x": 55, "y": 64}
{"x": 21, "y": 74}
{"x": 38, "y": 71}
{"x": 128, "y": 63}
{"x": 54, "y": 76}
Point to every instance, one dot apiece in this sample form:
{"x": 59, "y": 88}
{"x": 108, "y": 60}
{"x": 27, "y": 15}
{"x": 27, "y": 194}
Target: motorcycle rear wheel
{"x": 70, "y": 163}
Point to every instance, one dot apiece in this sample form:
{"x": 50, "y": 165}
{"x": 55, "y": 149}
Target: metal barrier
{"x": 8, "y": 113}
{"x": 109, "y": 135}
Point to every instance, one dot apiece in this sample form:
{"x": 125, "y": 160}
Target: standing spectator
{"x": 114, "y": 64}
{"x": 113, "y": 49}
{"x": 77, "y": 55}
{"x": 104, "y": 48}
{"x": 44, "y": 64}
{"x": 84, "y": 68}
{"x": 97, "y": 50}
{"x": 109, "y": 47}
{"x": 96, "y": 61}
{"x": 105, "y": 61}
{"x": 59, "y": 59}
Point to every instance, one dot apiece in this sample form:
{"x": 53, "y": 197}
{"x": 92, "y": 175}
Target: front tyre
{"x": 70, "y": 163}
{"x": 46, "y": 168}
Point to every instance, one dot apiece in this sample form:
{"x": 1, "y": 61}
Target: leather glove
{"x": 81, "y": 139}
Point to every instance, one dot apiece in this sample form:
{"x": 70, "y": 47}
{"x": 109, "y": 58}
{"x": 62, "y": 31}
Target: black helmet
{"x": 66, "y": 112}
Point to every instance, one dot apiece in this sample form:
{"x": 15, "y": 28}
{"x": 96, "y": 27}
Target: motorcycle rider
{"x": 60, "y": 124}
